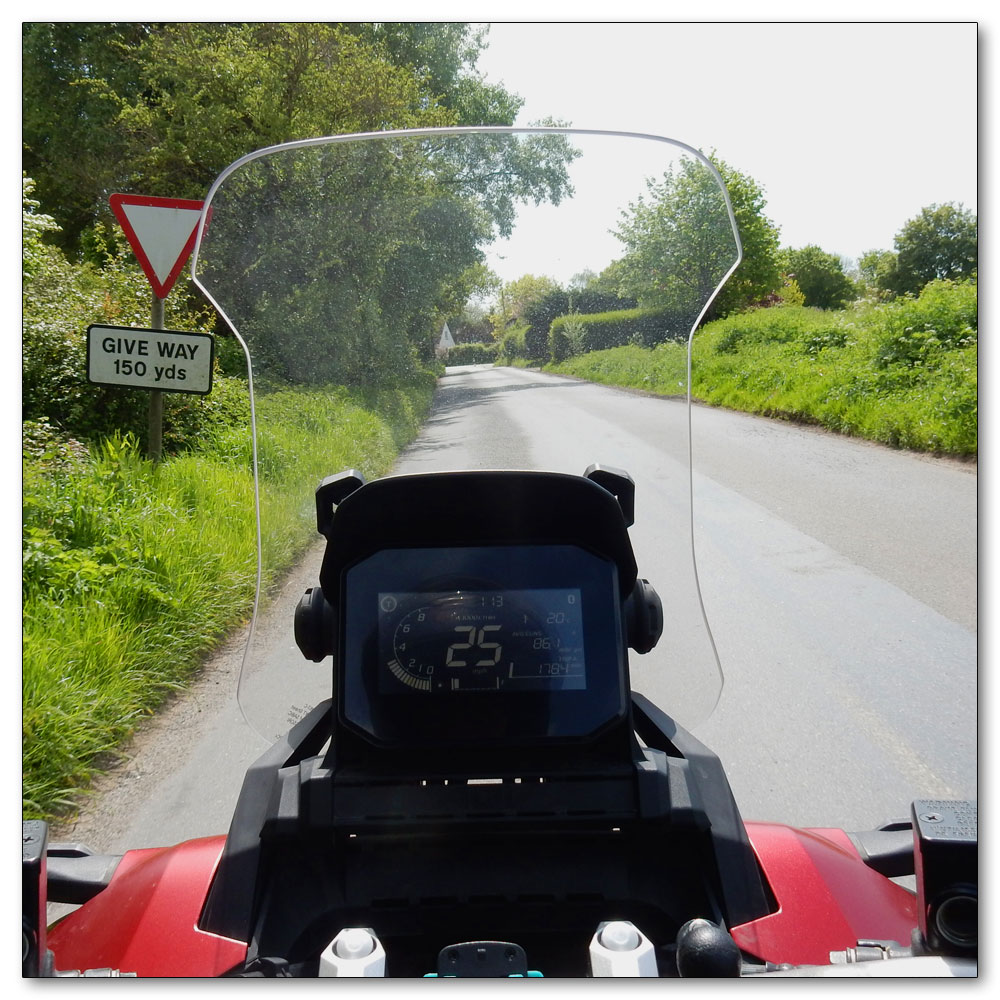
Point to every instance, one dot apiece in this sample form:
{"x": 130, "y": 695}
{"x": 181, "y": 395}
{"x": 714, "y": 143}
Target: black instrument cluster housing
{"x": 425, "y": 835}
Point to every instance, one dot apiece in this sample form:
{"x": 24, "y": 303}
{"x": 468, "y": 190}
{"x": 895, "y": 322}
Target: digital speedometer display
{"x": 481, "y": 645}
{"x": 482, "y": 640}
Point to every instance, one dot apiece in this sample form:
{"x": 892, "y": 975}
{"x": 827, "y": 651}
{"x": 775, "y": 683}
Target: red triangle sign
{"x": 161, "y": 232}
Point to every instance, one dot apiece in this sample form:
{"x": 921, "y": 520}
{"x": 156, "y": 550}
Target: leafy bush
{"x": 512, "y": 347}
{"x": 132, "y": 571}
{"x": 539, "y": 316}
{"x": 902, "y": 373}
{"x": 914, "y": 331}
{"x": 599, "y": 331}
{"x": 568, "y": 338}
{"x": 819, "y": 276}
{"x": 782, "y": 325}
{"x": 473, "y": 354}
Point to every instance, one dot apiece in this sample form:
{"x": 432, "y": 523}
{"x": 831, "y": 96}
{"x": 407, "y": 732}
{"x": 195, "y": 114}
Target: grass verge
{"x": 904, "y": 374}
{"x": 133, "y": 572}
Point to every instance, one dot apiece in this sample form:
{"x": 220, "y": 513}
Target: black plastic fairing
{"x": 476, "y": 508}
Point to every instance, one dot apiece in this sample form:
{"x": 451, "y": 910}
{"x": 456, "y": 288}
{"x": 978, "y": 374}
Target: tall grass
{"x": 133, "y": 572}
{"x": 902, "y": 373}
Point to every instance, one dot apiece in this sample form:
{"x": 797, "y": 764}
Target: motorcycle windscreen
{"x": 347, "y": 266}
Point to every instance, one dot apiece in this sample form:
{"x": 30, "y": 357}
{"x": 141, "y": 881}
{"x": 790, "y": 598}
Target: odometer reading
{"x": 482, "y": 640}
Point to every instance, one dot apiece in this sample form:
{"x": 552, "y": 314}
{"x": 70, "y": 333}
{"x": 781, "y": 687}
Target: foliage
{"x": 471, "y": 325}
{"x": 903, "y": 373}
{"x": 443, "y": 56}
{"x": 36, "y": 255}
{"x": 567, "y": 337}
{"x": 875, "y": 268}
{"x": 539, "y": 315}
{"x": 593, "y": 299}
{"x": 819, "y": 276}
{"x": 790, "y": 294}
{"x": 132, "y": 572}
{"x": 941, "y": 243}
{"x": 511, "y": 346}
{"x": 542, "y": 308}
{"x": 515, "y": 297}
{"x": 758, "y": 274}
{"x": 71, "y": 145}
{"x": 473, "y": 354}
{"x": 679, "y": 243}
{"x": 340, "y": 261}
{"x": 661, "y": 369}
{"x": 917, "y": 331}
{"x": 579, "y": 333}
{"x": 163, "y": 107}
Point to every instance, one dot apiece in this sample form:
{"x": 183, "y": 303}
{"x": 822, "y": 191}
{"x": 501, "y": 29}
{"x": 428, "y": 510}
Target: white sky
{"x": 850, "y": 129}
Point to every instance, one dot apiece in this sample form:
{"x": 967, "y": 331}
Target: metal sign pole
{"x": 156, "y": 395}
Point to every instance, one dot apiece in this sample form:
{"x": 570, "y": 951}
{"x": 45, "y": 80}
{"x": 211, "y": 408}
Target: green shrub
{"x": 912, "y": 331}
{"x": 132, "y": 571}
{"x": 512, "y": 347}
{"x": 777, "y": 325}
{"x": 473, "y": 354}
{"x": 568, "y": 338}
{"x": 599, "y": 331}
{"x": 902, "y": 373}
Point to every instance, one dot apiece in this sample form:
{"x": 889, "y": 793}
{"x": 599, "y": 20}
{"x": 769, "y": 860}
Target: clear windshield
{"x": 343, "y": 265}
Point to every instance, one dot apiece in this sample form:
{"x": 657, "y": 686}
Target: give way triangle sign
{"x": 161, "y": 232}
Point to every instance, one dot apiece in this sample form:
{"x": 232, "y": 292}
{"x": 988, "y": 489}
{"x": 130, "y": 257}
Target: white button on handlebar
{"x": 355, "y": 942}
{"x": 354, "y": 952}
{"x": 620, "y": 936}
{"x": 619, "y": 948}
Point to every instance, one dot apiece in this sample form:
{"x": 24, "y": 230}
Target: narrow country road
{"x": 840, "y": 579}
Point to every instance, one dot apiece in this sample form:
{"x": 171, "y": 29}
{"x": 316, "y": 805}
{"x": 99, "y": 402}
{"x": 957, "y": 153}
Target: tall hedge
{"x": 473, "y": 354}
{"x": 578, "y": 334}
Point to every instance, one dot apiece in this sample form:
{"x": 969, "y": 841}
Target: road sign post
{"x": 161, "y": 232}
{"x": 156, "y": 395}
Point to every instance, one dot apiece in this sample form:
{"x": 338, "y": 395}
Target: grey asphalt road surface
{"x": 839, "y": 577}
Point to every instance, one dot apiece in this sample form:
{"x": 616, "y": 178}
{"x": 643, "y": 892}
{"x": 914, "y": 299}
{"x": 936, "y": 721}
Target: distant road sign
{"x": 150, "y": 359}
{"x": 161, "y": 232}
{"x": 447, "y": 341}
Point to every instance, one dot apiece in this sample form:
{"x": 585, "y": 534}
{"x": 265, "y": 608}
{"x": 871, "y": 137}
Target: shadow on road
{"x": 452, "y": 397}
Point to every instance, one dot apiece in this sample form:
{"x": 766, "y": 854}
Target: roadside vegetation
{"x": 903, "y": 373}
{"x": 884, "y": 348}
{"x": 133, "y": 571}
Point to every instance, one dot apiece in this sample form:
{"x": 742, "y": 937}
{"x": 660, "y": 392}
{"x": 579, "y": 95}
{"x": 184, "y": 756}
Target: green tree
{"x": 820, "y": 277}
{"x": 162, "y": 108}
{"x": 72, "y": 148}
{"x": 875, "y": 268}
{"x": 941, "y": 243}
{"x": 444, "y": 55}
{"x": 343, "y": 257}
{"x": 515, "y": 297}
{"x": 679, "y": 242}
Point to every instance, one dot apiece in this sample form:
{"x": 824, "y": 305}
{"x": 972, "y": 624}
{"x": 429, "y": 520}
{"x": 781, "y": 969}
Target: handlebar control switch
{"x": 619, "y": 949}
{"x": 355, "y": 952}
{"x": 707, "y": 950}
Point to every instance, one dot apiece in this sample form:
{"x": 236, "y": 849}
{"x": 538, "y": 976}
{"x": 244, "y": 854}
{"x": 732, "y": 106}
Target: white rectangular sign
{"x": 150, "y": 359}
